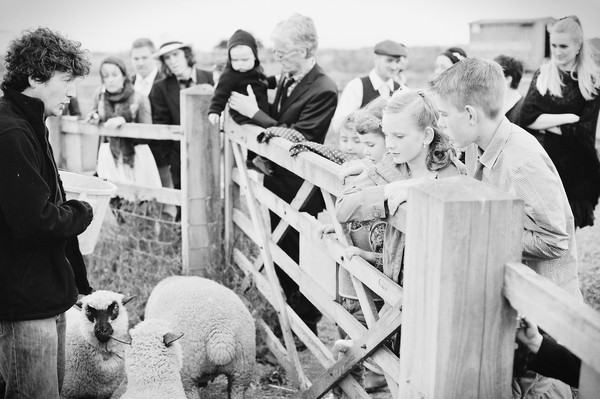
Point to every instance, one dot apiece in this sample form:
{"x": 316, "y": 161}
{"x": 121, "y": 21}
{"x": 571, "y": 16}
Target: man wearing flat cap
{"x": 179, "y": 65}
{"x": 388, "y": 59}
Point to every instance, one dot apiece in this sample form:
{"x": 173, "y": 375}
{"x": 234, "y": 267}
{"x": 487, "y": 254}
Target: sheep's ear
{"x": 169, "y": 338}
{"x": 79, "y": 305}
{"x": 127, "y": 299}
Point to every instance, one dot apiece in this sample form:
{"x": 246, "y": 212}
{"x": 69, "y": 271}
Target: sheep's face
{"x": 104, "y": 319}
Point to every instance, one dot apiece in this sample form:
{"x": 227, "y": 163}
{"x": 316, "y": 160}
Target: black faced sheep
{"x": 95, "y": 345}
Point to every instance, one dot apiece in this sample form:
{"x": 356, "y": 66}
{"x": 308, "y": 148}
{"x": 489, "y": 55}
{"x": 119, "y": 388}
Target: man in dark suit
{"x": 305, "y": 100}
{"x": 179, "y": 63}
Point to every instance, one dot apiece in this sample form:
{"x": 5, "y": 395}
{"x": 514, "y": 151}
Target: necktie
{"x": 185, "y": 83}
{"x": 284, "y": 91}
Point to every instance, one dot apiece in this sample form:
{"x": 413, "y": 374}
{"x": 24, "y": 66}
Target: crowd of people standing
{"x": 540, "y": 147}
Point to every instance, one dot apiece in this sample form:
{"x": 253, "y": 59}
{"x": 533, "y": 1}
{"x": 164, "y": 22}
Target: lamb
{"x": 219, "y": 331}
{"x": 153, "y": 362}
{"x": 95, "y": 335}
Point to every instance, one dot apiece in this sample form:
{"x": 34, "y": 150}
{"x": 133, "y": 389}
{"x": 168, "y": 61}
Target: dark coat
{"x": 573, "y": 152}
{"x": 232, "y": 80}
{"x": 41, "y": 267}
{"x": 164, "y": 97}
{"x": 308, "y": 109}
{"x": 164, "y": 101}
{"x": 555, "y": 361}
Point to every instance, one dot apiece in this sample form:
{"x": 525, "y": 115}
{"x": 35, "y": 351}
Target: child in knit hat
{"x": 243, "y": 68}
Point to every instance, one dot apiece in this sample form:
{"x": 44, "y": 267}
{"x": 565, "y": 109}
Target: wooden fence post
{"x": 202, "y": 206}
{"x": 458, "y": 330}
{"x": 55, "y": 136}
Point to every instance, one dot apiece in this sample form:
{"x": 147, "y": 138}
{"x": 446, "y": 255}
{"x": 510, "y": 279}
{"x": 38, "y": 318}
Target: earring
{"x": 424, "y": 145}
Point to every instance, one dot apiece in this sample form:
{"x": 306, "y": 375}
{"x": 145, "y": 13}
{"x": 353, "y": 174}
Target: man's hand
{"x": 245, "y": 105}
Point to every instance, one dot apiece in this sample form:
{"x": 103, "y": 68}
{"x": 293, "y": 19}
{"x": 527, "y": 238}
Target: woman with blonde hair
{"x": 561, "y": 109}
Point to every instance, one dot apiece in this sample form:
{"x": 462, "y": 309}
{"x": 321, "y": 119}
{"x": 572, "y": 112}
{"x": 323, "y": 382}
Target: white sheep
{"x": 219, "y": 331}
{"x": 153, "y": 362}
{"x": 94, "y": 360}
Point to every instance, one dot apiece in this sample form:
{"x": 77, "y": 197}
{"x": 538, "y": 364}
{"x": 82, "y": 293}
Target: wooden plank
{"x": 382, "y": 329}
{"x": 301, "y": 198}
{"x": 162, "y": 195}
{"x": 308, "y": 225}
{"x": 365, "y": 298}
{"x": 572, "y": 323}
{"x": 589, "y": 383}
{"x": 314, "y": 261}
{"x": 383, "y": 357}
{"x": 299, "y": 376}
{"x": 275, "y": 347}
{"x": 231, "y": 191}
{"x": 284, "y": 261}
{"x": 200, "y": 183}
{"x": 310, "y": 166}
{"x": 131, "y": 130}
{"x": 458, "y": 331}
{"x": 317, "y": 348}
{"x": 55, "y": 138}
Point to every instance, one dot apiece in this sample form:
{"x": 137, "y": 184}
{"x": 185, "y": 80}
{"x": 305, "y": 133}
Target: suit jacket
{"x": 308, "y": 109}
{"x": 164, "y": 97}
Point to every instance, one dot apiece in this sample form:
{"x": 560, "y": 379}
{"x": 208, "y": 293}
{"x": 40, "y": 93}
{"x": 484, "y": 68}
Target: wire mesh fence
{"x": 139, "y": 245}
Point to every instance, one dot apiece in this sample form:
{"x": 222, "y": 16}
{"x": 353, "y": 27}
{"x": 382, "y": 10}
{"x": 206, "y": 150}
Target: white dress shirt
{"x": 144, "y": 85}
{"x": 352, "y": 96}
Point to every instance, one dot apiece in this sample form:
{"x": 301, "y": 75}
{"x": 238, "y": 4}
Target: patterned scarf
{"x": 121, "y": 104}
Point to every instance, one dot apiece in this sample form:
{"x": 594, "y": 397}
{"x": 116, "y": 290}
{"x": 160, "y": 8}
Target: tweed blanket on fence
{"x": 333, "y": 154}
{"x": 276, "y": 131}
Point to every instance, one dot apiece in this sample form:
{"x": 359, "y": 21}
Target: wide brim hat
{"x": 170, "y": 46}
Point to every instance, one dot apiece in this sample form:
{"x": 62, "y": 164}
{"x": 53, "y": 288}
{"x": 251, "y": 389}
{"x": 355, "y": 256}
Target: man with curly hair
{"x": 41, "y": 268}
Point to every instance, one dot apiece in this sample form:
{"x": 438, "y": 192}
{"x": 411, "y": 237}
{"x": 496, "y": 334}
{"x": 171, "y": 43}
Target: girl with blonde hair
{"x": 561, "y": 110}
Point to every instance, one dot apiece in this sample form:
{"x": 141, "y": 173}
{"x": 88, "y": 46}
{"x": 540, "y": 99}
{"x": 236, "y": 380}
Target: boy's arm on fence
{"x": 545, "y": 233}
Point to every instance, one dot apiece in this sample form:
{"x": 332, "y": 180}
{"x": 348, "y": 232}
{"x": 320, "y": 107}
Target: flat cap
{"x": 391, "y": 48}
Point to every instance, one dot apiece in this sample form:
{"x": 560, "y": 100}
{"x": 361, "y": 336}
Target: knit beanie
{"x": 115, "y": 61}
{"x": 242, "y": 37}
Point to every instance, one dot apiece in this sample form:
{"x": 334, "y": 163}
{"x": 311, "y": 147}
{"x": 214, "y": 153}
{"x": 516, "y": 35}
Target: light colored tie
{"x": 384, "y": 90}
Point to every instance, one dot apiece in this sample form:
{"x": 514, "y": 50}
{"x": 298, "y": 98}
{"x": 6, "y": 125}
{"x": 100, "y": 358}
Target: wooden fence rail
{"x": 463, "y": 283}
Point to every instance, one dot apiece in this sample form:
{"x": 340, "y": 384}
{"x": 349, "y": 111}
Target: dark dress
{"x": 573, "y": 153}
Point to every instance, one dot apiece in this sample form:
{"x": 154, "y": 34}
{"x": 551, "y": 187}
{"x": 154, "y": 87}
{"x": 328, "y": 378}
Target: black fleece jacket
{"x": 41, "y": 267}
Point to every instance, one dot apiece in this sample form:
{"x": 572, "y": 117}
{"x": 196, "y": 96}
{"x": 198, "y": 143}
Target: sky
{"x": 111, "y": 25}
